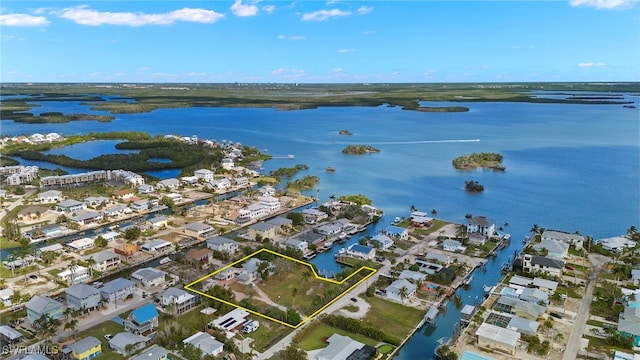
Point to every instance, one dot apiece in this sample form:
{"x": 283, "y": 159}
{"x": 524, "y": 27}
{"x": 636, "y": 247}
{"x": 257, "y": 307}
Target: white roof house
{"x": 205, "y": 342}
{"x": 497, "y": 338}
{"x": 383, "y": 240}
{"x": 395, "y": 291}
{"x": 156, "y": 245}
{"x": 340, "y": 348}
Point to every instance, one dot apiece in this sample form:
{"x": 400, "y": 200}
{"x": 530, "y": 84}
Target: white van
{"x": 250, "y": 327}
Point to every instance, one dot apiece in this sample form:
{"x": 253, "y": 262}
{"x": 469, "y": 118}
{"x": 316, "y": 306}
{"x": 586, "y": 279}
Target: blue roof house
{"x": 142, "y": 320}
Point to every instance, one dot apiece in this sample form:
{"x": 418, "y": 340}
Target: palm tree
{"x": 71, "y": 325}
{"x": 73, "y": 266}
{"x": 90, "y": 263}
{"x": 48, "y": 256}
{"x": 403, "y": 292}
{"x": 15, "y": 298}
{"x": 413, "y": 208}
{"x": 535, "y": 229}
{"x": 434, "y": 212}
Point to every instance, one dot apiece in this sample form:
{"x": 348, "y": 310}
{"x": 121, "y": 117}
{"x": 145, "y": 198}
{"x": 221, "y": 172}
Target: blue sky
{"x": 319, "y": 41}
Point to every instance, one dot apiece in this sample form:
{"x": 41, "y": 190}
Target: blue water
{"x": 569, "y": 167}
{"x": 90, "y": 149}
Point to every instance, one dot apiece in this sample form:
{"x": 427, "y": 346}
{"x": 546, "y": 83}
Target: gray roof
{"x": 175, "y": 292}
{"x": 437, "y": 256}
{"x": 57, "y": 247}
{"x": 121, "y": 340}
{"x": 148, "y": 274}
{"x": 50, "y": 193}
{"x": 398, "y": 284}
{"x": 155, "y": 352}
{"x": 35, "y": 357}
{"x": 553, "y": 246}
{"x": 544, "y": 283}
{"x": 103, "y": 256}
{"x": 523, "y": 326}
{"x": 82, "y": 291}
{"x": 412, "y": 275}
{"x": 9, "y": 332}
{"x": 262, "y": 226}
{"x": 85, "y": 215}
{"x": 481, "y": 221}
{"x": 42, "y": 304}
{"x": 468, "y": 309}
{"x": 547, "y": 262}
{"x": 85, "y": 344}
{"x": 340, "y": 347}
{"x": 115, "y": 285}
{"x": 628, "y": 326}
{"x": 532, "y": 309}
{"x": 536, "y": 295}
{"x": 562, "y": 236}
{"x": 279, "y": 221}
{"x": 197, "y": 226}
{"x": 498, "y": 334}
{"x": 520, "y": 280}
{"x": 69, "y": 203}
{"x": 203, "y": 341}
{"x": 219, "y": 240}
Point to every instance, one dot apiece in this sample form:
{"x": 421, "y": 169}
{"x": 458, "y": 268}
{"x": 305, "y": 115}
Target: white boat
{"x": 291, "y": 156}
{"x": 165, "y": 260}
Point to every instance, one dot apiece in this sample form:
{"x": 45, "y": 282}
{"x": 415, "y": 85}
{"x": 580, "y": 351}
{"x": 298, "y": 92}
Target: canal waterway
{"x": 569, "y": 167}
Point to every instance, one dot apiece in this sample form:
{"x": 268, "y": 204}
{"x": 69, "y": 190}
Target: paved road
{"x": 573, "y": 343}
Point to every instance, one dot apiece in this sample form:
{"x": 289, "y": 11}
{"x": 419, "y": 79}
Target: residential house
{"x": 5, "y": 296}
{"x": 86, "y": 217}
{"x": 205, "y": 342}
{"x": 301, "y": 245}
{"x": 565, "y": 237}
{"x": 198, "y": 229}
{"x": 548, "y": 286}
{"x": 421, "y": 221}
{"x": 74, "y": 275}
{"x": 360, "y": 252}
{"x": 535, "y": 296}
{"x": 155, "y": 352}
{"x": 169, "y": 184}
{"x": 149, "y": 277}
{"x": 42, "y": 305}
{"x": 415, "y": 277}
{"x": 262, "y": 230}
{"x": 313, "y": 216}
{"x": 382, "y": 241}
{"x": 477, "y": 239}
{"x": 227, "y": 163}
{"x": 549, "y": 266}
{"x": 481, "y": 225}
{"x": 105, "y": 260}
{"x": 156, "y": 246}
{"x": 115, "y": 211}
{"x": 32, "y": 212}
{"x": 219, "y": 184}
{"x": 281, "y": 223}
{"x": 231, "y": 321}
{"x": 397, "y": 232}
{"x": 129, "y": 178}
{"x": 635, "y": 276}
{"x": 182, "y": 301}
{"x": 49, "y": 196}
{"x": 271, "y": 203}
{"x": 521, "y": 308}
{"x": 189, "y": 180}
{"x": 523, "y": 326}
{"x": 126, "y": 343}
{"x": 343, "y": 347}
{"x": 629, "y": 324}
{"x": 56, "y": 248}
{"x": 82, "y": 297}
{"x": 241, "y": 182}
{"x": 222, "y": 244}
{"x": 267, "y": 190}
{"x": 174, "y": 197}
{"x": 249, "y": 272}
{"x": 467, "y": 313}
{"x": 257, "y": 211}
{"x": 44, "y": 231}
{"x": 146, "y": 189}
{"x": 331, "y": 229}
{"x": 205, "y": 175}
{"x": 123, "y": 194}
{"x": 117, "y": 289}
{"x": 555, "y": 249}
{"x": 201, "y": 256}
{"x": 443, "y": 259}
{"x": 81, "y": 244}
{"x": 312, "y": 238}
{"x": 497, "y": 339}
{"x": 70, "y": 206}
{"x": 617, "y": 243}
{"x": 158, "y": 222}
{"x": 85, "y": 349}
{"x": 453, "y": 246}
{"x": 95, "y": 201}
{"x": 140, "y": 205}
{"x": 9, "y": 335}
{"x": 401, "y": 290}
{"x": 142, "y": 320}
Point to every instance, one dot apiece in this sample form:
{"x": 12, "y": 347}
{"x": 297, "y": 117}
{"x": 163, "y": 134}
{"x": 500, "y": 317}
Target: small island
{"x": 330, "y": 169}
{"x": 359, "y": 149}
{"x": 345, "y": 132}
{"x": 473, "y": 186}
{"x": 479, "y": 160}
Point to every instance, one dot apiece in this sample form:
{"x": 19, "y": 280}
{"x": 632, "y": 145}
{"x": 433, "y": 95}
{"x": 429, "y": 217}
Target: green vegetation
{"x": 397, "y": 320}
{"x": 306, "y": 183}
{"x": 288, "y": 172}
{"x": 358, "y": 199}
{"x": 476, "y": 160}
{"x": 315, "y": 339}
{"x": 98, "y": 331}
{"x": 442, "y": 109}
{"x": 359, "y": 149}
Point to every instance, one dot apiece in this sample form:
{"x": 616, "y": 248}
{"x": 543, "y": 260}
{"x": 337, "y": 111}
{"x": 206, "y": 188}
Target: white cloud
{"x": 288, "y": 73}
{"x": 84, "y": 16}
{"x": 322, "y": 15}
{"x": 590, "y": 64}
{"x": 240, "y": 9}
{"x": 346, "y": 50}
{"x": 295, "y": 37}
{"x": 268, "y": 9}
{"x": 364, "y": 10}
{"x": 143, "y": 69}
{"x": 603, "y": 4}
{"x": 23, "y": 20}
{"x": 11, "y": 37}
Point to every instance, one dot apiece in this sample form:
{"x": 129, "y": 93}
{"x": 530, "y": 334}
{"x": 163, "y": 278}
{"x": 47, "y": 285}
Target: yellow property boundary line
{"x": 372, "y": 270}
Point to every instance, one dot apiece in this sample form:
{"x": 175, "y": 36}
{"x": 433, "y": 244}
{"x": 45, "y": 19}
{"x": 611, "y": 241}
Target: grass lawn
{"x": 6, "y": 273}
{"x": 396, "y": 320}
{"x": 280, "y": 287}
{"x": 313, "y": 341}
{"x": 99, "y": 331}
{"x": 437, "y": 224}
{"x": 268, "y": 334}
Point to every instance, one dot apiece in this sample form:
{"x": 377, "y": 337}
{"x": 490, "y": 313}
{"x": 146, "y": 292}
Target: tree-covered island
{"x": 479, "y": 160}
{"x": 359, "y": 150}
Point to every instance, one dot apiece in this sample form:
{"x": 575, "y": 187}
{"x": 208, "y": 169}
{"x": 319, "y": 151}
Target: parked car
{"x": 354, "y": 299}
